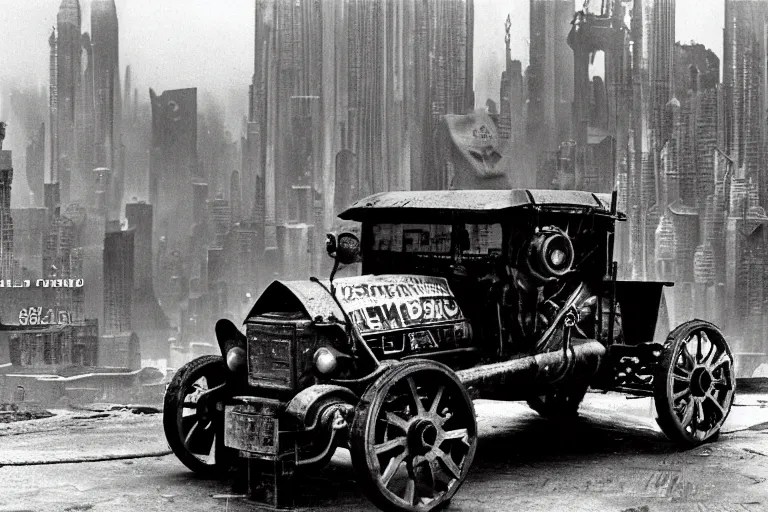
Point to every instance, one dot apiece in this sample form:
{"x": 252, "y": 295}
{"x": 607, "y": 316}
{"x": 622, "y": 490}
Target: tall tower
{"x": 118, "y": 279}
{"x": 744, "y": 57}
{"x": 173, "y": 163}
{"x": 106, "y": 89}
{"x": 53, "y": 96}
{"x": 106, "y": 72}
{"x": 68, "y": 71}
{"x": 661, "y": 33}
{"x": 550, "y": 92}
{"x": 6, "y": 222}
{"x": 450, "y": 79}
{"x": 86, "y": 120}
{"x": 139, "y": 217}
{"x": 505, "y": 109}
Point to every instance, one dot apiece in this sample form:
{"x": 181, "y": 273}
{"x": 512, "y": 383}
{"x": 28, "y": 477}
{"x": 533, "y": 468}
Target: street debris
{"x": 12, "y": 412}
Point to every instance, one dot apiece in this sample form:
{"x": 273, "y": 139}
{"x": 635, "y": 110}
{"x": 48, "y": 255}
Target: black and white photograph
{"x": 395, "y": 255}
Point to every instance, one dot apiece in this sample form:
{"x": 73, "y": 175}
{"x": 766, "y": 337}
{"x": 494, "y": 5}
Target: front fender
{"x": 307, "y": 406}
{"x": 229, "y": 336}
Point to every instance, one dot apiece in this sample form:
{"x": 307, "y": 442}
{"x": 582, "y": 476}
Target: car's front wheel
{"x": 193, "y": 428}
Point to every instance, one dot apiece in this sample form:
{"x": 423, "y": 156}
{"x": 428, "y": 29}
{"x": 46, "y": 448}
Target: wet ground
{"x": 612, "y": 459}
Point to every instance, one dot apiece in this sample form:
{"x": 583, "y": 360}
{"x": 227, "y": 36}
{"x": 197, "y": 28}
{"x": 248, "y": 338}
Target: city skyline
{"x": 223, "y": 40}
{"x": 348, "y": 99}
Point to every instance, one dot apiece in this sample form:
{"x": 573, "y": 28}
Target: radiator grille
{"x": 271, "y": 355}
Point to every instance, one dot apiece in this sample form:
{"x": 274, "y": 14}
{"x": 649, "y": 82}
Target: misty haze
{"x": 395, "y": 239}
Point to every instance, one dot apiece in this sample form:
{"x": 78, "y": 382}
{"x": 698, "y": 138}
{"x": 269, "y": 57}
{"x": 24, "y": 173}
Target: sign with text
{"x": 384, "y": 303}
{"x": 43, "y": 316}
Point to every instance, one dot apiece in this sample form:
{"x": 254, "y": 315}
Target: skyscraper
{"x": 53, "y": 97}
{"x": 153, "y": 324}
{"x": 68, "y": 51}
{"x": 173, "y": 162}
{"x": 118, "y": 278}
{"x": 139, "y": 217}
{"x": 744, "y": 57}
{"x": 86, "y": 121}
{"x": 29, "y": 232}
{"x": 106, "y": 73}
{"x": 661, "y": 33}
{"x": 36, "y": 164}
{"x": 551, "y": 60}
{"x": 106, "y": 89}
{"x": 6, "y": 221}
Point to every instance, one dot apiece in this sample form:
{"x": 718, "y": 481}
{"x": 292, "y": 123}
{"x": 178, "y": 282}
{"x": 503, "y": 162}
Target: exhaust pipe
{"x": 582, "y": 359}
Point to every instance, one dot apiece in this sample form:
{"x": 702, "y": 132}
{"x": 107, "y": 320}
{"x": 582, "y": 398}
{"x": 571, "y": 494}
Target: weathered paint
{"x": 474, "y": 201}
{"x": 252, "y": 426}
{"x": 375, "y": 303}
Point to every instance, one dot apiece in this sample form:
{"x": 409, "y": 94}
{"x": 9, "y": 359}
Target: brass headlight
{"x": 236, "y": 359}
{"x": 325, "y": 360}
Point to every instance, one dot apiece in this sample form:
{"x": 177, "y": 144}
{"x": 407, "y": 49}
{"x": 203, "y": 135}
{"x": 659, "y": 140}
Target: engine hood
{"x": 373, "y": 303}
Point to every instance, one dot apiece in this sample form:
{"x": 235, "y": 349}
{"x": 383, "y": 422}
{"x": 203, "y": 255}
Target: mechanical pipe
{"x": 582, "y": 359}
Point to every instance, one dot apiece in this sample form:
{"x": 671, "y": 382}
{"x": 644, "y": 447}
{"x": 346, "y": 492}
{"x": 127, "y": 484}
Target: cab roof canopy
{"x": 435, "y": 205}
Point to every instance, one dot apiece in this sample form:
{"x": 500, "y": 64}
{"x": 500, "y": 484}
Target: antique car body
{"x": 502, "y": 294}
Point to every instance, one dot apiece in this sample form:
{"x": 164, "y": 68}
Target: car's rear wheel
{"x": 694, "y": 384}
{"x": 413, "y": 437}
{"x": 194, "y": 430}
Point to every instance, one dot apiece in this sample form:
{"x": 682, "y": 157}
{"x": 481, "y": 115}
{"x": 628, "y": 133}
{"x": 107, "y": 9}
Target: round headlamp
{"x": 557, "y": 257}
{"x": 551, "y": 254}
{"x": 235, "y": 359}
{"x": 325, "y": 360}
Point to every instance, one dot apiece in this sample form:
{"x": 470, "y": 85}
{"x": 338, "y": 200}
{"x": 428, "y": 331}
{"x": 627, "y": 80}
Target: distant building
{"x": 139, "y": 217}
{"x": 106, "y": 79}
{"x": 121, "y": 350}
{"x": 550, "y": 91}
{"x": 153, "y": 327}
{"x": 52, "y": 200}
{"x": 220, "y": 218}
{"x": 86, "y": 122}
{"x": 118, "y": 279}
{"x": 6, "y": 220}
{"x": 294, "y": 250}
{"x": 173, "y": 163}
{"x": 36, "y": 164}
{"x": 744, "y": 57}
{"x": 30, "y": 225}
{"x": 54, "y": 346}
{"x": 68, "y": 74}
{"x": 53, "y": 106}
{"x": 661, "y": 40}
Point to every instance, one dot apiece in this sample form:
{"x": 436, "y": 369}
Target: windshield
{"x": 432, "y": 249}
{"x": 438, "y": 239}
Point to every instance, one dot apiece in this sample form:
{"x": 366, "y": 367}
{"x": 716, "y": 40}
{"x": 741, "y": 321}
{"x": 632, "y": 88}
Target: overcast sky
{"x": 209, "y": 43}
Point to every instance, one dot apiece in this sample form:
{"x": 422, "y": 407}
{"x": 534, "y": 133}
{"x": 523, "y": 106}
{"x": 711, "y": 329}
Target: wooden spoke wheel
{"x": 194, "y": 429}
{"x": 694, "y": 383}
{"x": 413, "y": 437}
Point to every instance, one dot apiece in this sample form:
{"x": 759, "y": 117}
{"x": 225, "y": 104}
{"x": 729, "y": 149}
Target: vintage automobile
{"x": 501, "y": 294}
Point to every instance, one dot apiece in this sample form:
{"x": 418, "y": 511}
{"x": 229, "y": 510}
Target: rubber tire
{"x": 185, "y": 376}
{"x": 666, "y": 417}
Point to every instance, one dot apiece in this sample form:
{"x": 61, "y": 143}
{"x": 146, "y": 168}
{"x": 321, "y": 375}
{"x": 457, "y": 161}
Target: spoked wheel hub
{"x": 413, "y": 437}
{"x": 701, "y": 381}
{"x": 422, "y": 436}
{"x": 695, "y": 384}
